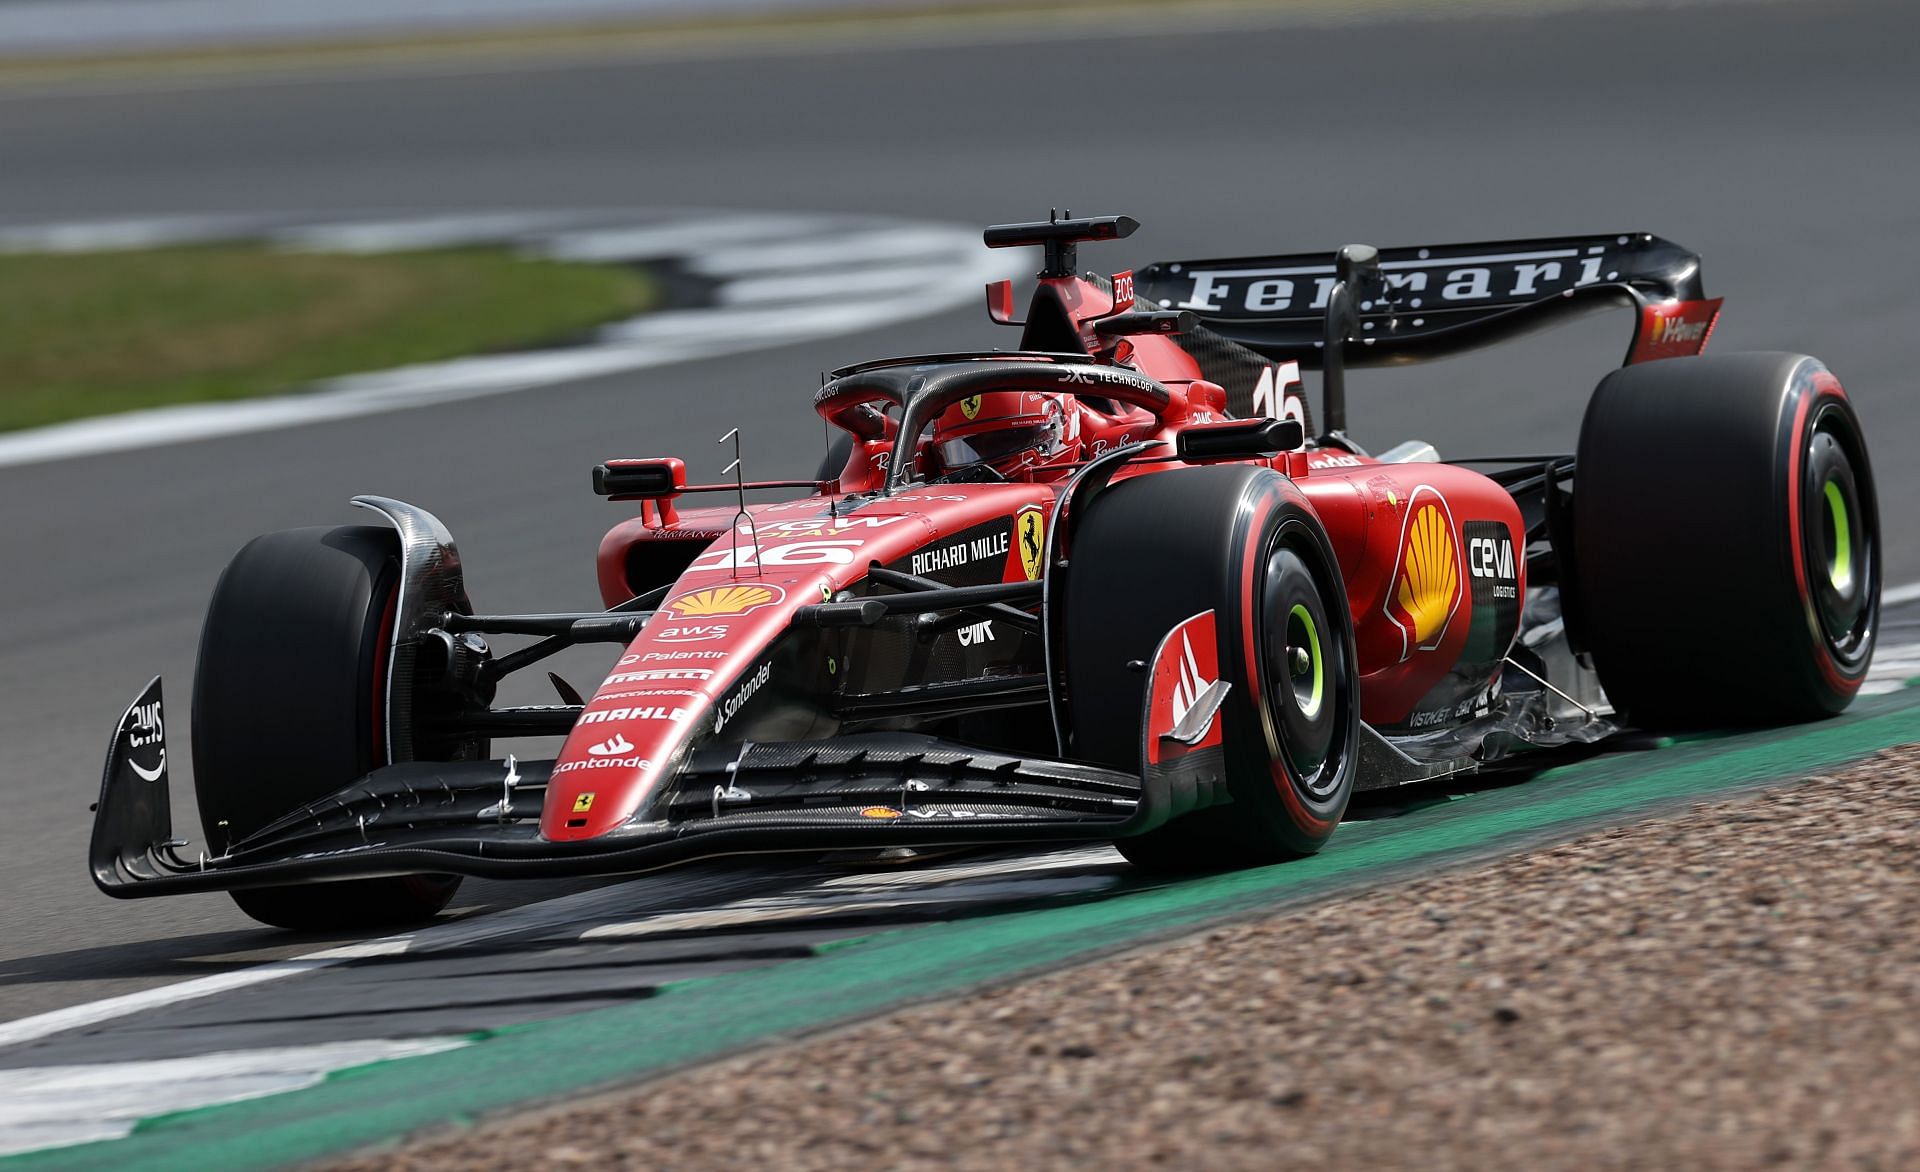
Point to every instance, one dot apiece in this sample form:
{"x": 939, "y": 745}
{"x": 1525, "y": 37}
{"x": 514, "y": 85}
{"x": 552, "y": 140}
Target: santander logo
{"x": 612, "y": 747}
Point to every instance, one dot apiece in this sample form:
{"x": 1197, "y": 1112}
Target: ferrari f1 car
{"x": 1119, "y": 584}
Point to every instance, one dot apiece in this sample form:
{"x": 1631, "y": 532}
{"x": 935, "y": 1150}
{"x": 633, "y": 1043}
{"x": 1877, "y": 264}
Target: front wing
{"x": 481, "y": 818}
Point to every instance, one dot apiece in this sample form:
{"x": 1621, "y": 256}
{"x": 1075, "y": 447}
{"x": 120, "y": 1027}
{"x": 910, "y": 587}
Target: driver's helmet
{"x": 1016, "y": 433}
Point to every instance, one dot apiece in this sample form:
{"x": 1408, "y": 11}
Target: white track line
{"x": 57, "y": 1106}
{"x": 826, "y": 285}
{"x": 579, "y": 916}
{"x": 1893, "y": 665}
{"x": 441, "y": 232}
{"x": 868, "y": 892}
{"x": 898, "y": 244}
{"x": 651, "y": 241}
{"x": 1900, "y": 594}
{"x": 532, "y": 919}
{"x": 117, "y": 234}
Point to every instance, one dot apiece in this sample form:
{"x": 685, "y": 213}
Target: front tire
{"x": 288, "y": 706}
{"x": 1244, "y": 543}
{"x": 1726, "y": 541}
{"x": 833, "y": 464}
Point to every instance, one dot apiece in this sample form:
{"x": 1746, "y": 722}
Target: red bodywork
{"x": 1432, "y": 556}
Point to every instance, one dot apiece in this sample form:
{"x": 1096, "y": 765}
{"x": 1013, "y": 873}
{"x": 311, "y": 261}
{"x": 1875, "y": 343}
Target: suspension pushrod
{"x": 588, "y": 627}
{"x": 914, "y": 584}
{"x": 539, "y": 720}
{"x": 552, "y": 645}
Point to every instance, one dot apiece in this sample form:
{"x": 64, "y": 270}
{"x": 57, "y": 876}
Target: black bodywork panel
{"x": 1439, "y": 300}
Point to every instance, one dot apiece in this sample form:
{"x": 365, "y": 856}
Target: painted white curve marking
{"x": 822, "y": 284}
{"x": 1900, "y": 594}
{"x": 58, "y": 1106}
{"x": 1892, "y": 667}
{"x": 577, "y": 916}
{"x": 651, "y": 241}
{"x": 891, "y": 280}
{"x": 414, "y": 233}
{"x": 532, "y": 919}
{"x": 112, "y": 235}
{"x": 1076, "y": 871}
{"x": 895, "y": 244}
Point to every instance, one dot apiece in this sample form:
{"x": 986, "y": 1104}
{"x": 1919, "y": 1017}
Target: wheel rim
{"x": 1840, "y": 518}
{"x": 1305, "y": 661}
{"x": 1838, "y": 539}
{"x": 1305, "y": 668}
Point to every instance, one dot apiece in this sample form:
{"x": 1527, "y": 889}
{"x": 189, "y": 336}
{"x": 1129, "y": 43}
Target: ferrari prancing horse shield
{"x": 1032, "y": 531}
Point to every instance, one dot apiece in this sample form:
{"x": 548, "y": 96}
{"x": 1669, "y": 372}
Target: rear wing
{"x": 1442, "y": 299}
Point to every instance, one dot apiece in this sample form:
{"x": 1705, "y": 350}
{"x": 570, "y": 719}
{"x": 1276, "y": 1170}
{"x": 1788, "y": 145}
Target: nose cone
{"x": 596, "y": 789}
{"x": 704, "y": 653}
{"x": 660, "y": 698}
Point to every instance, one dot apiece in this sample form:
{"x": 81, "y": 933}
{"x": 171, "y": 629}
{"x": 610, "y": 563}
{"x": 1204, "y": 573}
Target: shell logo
{"x": 722, "y": 600}
{"x": 1426, "y": 590}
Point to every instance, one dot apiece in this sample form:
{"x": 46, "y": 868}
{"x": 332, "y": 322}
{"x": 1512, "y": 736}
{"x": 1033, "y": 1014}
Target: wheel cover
{"x": 1305, "y": 661}
{"x": 1305, "y": 667}
{"x": 1840, "y": 545}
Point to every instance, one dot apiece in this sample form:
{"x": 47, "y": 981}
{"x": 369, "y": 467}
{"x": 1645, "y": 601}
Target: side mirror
{"x": 1239, "y": 439}
{"x": 640, "y": 480}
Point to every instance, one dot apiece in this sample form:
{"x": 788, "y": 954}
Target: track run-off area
{"x": 1774, "y": 138}
{"x": 698, "y": 964}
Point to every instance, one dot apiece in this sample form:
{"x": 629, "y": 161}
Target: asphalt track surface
{"x": 1780, "y": 141}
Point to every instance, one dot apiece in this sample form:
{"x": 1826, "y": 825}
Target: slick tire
{"x": 287, "y": 708}
{"x": 1726, "y": 565}
{"x": 1155, "y": 550}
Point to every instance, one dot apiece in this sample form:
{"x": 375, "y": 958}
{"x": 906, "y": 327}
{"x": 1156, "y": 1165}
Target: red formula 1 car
{"x": 1118, "y": 584}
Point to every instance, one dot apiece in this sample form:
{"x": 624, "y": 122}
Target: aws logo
{"x": 1426, "y": 586}
{"x": 722, "y": 600}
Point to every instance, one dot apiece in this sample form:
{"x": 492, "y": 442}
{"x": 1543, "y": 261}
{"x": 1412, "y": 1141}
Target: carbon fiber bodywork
{"x": 431, "y": 585}
{"x": 1440, "y": 299}
{"x": 481, "y": 818}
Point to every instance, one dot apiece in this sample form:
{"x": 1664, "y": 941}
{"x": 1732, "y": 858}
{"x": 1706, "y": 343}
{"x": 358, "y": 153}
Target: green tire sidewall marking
{"x": 1311, "y": 708}
{"x": 1841, "y": 572}
{"x": 701, "y": 1020}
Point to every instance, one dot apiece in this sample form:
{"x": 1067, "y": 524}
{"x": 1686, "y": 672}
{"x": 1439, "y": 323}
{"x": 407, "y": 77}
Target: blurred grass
{"x": 87, "y": 334}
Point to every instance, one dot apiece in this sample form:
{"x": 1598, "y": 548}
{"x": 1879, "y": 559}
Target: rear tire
{"x": 1726, "y": 541}
{"x": 1242, "y": 542}
{"x": 288, "y": 706}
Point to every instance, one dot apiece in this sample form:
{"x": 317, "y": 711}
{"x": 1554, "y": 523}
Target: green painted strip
{"x": 704, "y": 1019}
